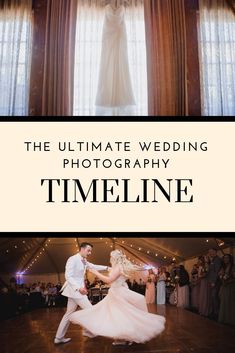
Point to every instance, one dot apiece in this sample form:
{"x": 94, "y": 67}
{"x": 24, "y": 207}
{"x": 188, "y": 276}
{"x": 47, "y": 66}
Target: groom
{"x": 74, "y": 288}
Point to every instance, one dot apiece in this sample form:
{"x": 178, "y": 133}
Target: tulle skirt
{"x": 122, "y": 314}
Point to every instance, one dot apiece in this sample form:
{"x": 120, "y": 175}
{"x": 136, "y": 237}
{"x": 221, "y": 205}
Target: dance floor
{"x": 185, "y": 332}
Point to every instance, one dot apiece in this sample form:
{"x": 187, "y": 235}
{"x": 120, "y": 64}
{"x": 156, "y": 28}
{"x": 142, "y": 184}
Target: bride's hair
{"x": 119, "y": 258}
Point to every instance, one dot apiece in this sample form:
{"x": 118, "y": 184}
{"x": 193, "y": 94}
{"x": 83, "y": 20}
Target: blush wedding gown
{"x": 114, "y": 85}
{"x": 122, "y": 314}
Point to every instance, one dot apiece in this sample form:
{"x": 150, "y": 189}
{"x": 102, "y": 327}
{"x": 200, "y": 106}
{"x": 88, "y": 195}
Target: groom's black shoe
{"x": 61, "y": 340}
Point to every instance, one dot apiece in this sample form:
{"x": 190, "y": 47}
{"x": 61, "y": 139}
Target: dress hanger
{"x": 115, "y": 4}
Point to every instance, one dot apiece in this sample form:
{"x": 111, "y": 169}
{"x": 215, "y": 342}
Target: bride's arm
{"x": 114, "y": 274}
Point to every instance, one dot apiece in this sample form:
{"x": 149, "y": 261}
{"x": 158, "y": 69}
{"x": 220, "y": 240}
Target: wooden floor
{"x": 185, "y": 333}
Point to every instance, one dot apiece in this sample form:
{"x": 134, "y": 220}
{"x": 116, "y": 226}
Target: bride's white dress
{"x": 122, "y": 314}
{"x": 114, "y": 84}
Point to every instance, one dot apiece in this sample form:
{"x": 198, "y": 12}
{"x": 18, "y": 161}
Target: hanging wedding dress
{"x": 114, "y": 93}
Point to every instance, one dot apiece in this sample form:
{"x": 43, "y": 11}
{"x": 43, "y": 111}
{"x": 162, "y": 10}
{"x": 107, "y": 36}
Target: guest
{"x": 52, "y": 292}
{"x": 173, "y": 297}
{"x": 194, "y": 287}
{"x": 45, "y": 294}
{"x": 58, "y": 286}
{"x": 203, "y": 298}
{"x": 33, "y": 288}
{"x": 169, "y": 286}
{"x": 214, "y": 283}
{"x": 128, "y": 282}
{"x": 135, "y": 286}
{"x": 173, "y": 272}
{"x": 141, "y": 287}
{"x": 174, "y": 269}
{"x": 183, "y": 288}
{"x": 38, "y": 287}
{"x": 227, "y": 291}
{"x": 161, "y": 286}
{"x": 150, "y": 288}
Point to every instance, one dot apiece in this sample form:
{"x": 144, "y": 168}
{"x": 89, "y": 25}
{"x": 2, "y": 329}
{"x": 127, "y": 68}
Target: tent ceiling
{"x": 18, "y": 254}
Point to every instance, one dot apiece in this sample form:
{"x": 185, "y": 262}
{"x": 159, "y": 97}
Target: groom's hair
{"x": 85, "y": 244}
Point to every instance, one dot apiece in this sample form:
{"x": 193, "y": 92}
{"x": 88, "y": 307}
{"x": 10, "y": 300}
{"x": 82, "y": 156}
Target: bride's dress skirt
{"x": 122, "y": 314}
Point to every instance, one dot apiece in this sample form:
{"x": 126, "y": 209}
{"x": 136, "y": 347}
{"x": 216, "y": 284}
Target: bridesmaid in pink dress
{"x": 122, "y": 315}
{"x": 150, "y": 292}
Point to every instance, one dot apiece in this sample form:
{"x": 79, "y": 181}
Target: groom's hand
{"x": 83, "y": 291}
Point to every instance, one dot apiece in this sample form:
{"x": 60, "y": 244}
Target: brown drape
{"x": 57, "y": 95}
{"x": 231, "y": 3}
{"x": 166, "y": 57}
{"x": 10, "y": 3}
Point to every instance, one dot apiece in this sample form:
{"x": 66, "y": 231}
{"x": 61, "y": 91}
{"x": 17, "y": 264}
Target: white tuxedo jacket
{"x": 74, "y": 274}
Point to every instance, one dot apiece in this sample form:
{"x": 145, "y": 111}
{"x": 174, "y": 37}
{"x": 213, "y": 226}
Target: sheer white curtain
{"x": 137, "y": 54}
{"x": 15, "y": 56}
{"x": 88, "y": 53}
{"x": 217, "y": 56}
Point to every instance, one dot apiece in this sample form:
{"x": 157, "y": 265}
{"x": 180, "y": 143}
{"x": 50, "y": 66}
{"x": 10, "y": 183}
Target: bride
{"x": 122, "y": 315}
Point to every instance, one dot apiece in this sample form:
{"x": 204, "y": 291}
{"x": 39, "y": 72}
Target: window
{"x": 88, "y": 52}
{"x": 15, "y": 55}
{"x": 217, "y": 57}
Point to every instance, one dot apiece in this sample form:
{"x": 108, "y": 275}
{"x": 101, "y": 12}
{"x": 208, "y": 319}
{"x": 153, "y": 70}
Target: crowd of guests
{"x": 208, "y": 290}
{"x": 20, "y": 298}
{"x": 17, "y": 298}
{"x": 213, "y": 287}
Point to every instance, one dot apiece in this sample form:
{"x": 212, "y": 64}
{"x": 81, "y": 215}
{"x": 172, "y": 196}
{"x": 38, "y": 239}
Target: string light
{"x": 76, "y": 245}
{"x": 129, "y": 258}
{"x": 37, "y": 256}
{"x": 15, "y": 246}
{"x": 21, "y": 244}
{"x": 142, "y": 250}
{"x": 136, "y": 248}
